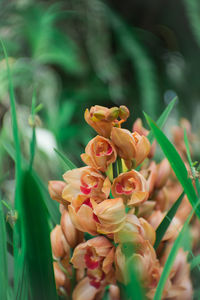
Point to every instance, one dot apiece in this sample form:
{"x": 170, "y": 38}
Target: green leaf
{"x": 52, "y": 206}
{"x": 195, "y": 262}
{"x": 176, "y": 163}
{"x": 162, "y": 228}
{"x": 171, "y": 258}
{"x": 190, "y": 162}
{"x": 3, "y": 257}
{"x": 68, "y": 163}
{"x": 36, "y": 238}
{"x": 16, "y": 235}
{"x": 163, "y": 118}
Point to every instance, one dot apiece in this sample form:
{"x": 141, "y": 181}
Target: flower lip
{"x": 126, "y": 188}
{"x": 103, "y": 149}
{"x": 90, "y": 260}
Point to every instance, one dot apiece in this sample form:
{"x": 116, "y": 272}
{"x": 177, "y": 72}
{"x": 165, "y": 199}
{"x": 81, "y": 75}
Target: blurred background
{"x": 78, "y": 53}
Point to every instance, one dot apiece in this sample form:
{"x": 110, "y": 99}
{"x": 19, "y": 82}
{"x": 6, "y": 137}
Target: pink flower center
{"x": 88, "y": 183}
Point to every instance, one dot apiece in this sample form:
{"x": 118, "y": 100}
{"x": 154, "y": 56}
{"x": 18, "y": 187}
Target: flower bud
{"x": 123, "y": 112}
{"x": 113, "y": 114}
{"x": 60, "y": 247}
{"x": 55, "y": 188}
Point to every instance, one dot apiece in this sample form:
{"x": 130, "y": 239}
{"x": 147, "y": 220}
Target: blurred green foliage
{"x": 78, "y": 53}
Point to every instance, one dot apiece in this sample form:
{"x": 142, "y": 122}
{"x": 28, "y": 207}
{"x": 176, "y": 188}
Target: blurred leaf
{"x": 162, "y": 228}
{"x": 146, "y": 72}
{"x": 176, "y": 163}
{"x": 170, "y": 260}
{"x": 163, "y": 118}
{"x": 36, "y": 237}
{"x": 68, "y": 163}
{"x": 3, "y": 257}
{"x": 195, "y": 262}
{"x": 33, "y": 140}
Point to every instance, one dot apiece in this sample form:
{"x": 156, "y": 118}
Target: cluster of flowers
{"x": 108, "y": 204}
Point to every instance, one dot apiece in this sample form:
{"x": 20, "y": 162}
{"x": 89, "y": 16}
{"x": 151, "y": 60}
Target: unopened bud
{"x": 124, "y": 112}
{"x": 60, "y": 247}
{"x": 114, "y": 292}
{"x": 55, "y": 188}
{"x": 113, "y": 114}
{"x": 99, "y": 115}
{"x": 70, "y": 232}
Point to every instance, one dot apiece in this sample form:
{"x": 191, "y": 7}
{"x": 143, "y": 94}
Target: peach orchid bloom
{"x": 135, "y": 231}
{"x": 181, "y": 286}
{"x": 105, "y": 217}
{"x": 87, "y": 181}
{"x": 138, "y": 127}
{"x": 132, "y": 147}
{"x": 102, "y": 119}
{"x": 132, "y": 187}
{"x": 99, "y": 153}
{"x": 144, "y": 262}
{"x": 97, "y": 257}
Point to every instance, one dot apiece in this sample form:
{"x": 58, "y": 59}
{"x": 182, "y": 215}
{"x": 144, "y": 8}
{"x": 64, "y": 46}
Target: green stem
{"x": 119, "y": 164}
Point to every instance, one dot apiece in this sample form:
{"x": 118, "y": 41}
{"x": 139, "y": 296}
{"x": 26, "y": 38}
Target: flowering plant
{"x": 111, "y": 212}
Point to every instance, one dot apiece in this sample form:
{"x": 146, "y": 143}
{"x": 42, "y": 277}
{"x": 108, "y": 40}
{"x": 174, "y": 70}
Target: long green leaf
{"x": 175, "y": 162}
{"x": 171, "y": 258}
{"x": 52, "y": 206}
{"x": 16, "y": 236}
{"x": 163, "y": 118}
{"x": 68, "y": 163}
{"x": 3, "y": 257}
{"x": 36, "y": 237}
{"x": 162, "y": 228}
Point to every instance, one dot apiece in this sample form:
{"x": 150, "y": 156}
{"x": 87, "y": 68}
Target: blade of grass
{"x": 163, "y": 118}
{"x": 36, "y": 235}
{"x": 175, "y": 162}
{"x": 190, "y": 162}
{"x": 3, "y": 257}
{"x": 68, "y": 163}
{"x": 171, "y": 258}
{"x": 162, "y": 228}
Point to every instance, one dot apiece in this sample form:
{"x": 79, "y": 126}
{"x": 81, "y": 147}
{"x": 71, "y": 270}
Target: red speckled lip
{"x": 90, "y": 264}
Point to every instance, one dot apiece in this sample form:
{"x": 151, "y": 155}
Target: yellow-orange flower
{"x": 132, "y": 147}
{"x": 99, "y": 153}
{"x": 87, "y": 181}
{"x": 131, "y": 186}
{"x": 89, "y": 216}
{"x": 102, "y": 119}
